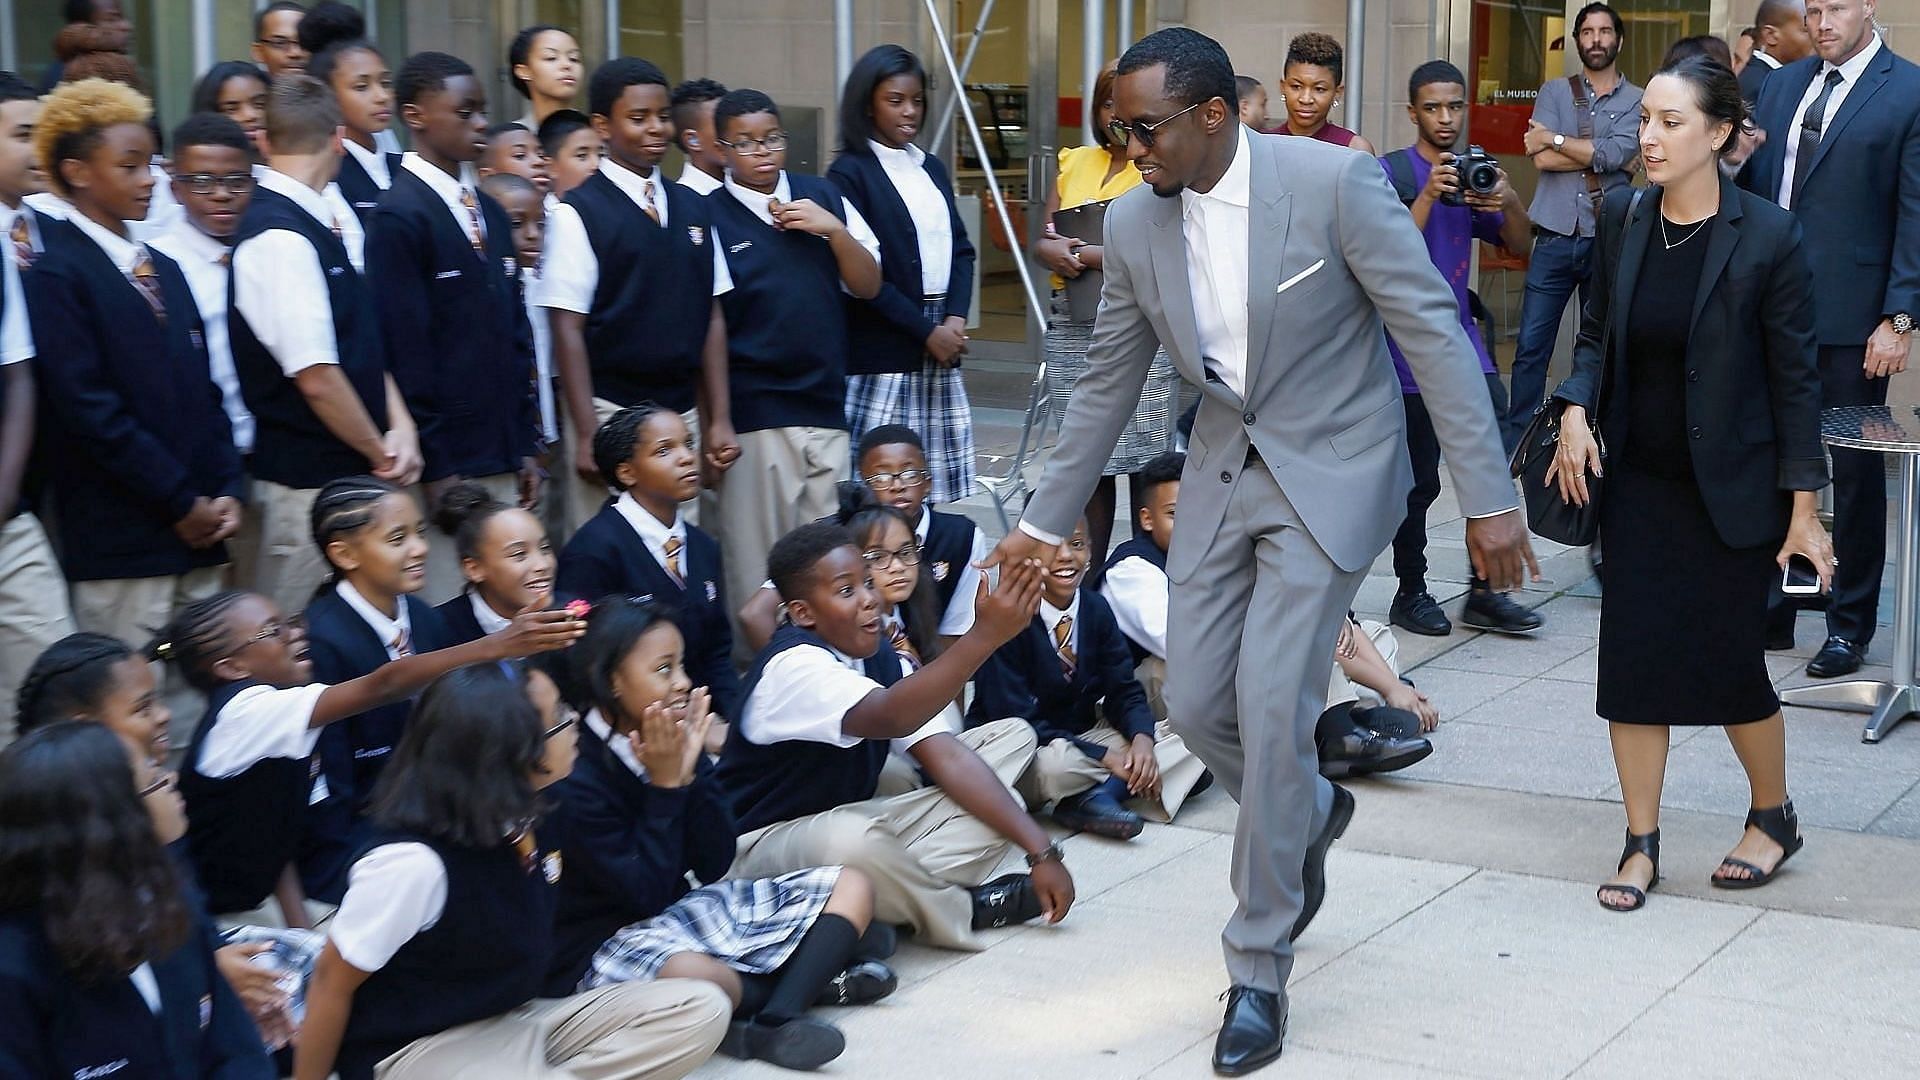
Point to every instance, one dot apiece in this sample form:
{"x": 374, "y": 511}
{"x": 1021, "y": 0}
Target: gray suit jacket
{"x": 1323, "y": 405}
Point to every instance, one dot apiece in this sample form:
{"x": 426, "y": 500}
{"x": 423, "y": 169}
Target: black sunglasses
{"x": 1121, "y": 130}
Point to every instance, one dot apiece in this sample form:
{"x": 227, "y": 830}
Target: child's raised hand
{"x": 536, "y": 630}
{"x": 1004, "y": 612}
{"x": 699, "y": 720}
{"x": 661, "y": 746}
{"x": 804, "y": 215}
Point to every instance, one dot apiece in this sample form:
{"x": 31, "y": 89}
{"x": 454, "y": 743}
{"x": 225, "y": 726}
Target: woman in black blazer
{"x": 1709, "y": 404}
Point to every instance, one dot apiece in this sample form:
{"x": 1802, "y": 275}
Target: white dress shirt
{"x": 144, "y": 981}
{"x": 204, "y": 262}
{"x": 280, "y": 286}
{"x": 491, "y": 621}
{"x": 453, "y": 190}
{"x": 542, "y": 352}
{"x": 1765, "y": 57}
{"x": 386, "y": 142}
{"x": 651, "y": 532}
{"x": 374, "y": 161}
{"x": 932, "y": 223}
{"x": 1214, "y": 224}
{"x": 857, "y": 226}
{"x": 958, "y": 618}
{"x": 697, "y": 179}
{"x": 1137, "y": 591}
{"x": 16, "y": 329}
{"x": 163, "y": 211}
{"x": 1850, "y": 73}
{"x": 569, "y": 270}
{"x": 395, "y": 892}
{"x": 257, "y": 724}
{"x": 390, "y": 631}
{"x": 621, "y": 746}
{"x": 804, "y": 695}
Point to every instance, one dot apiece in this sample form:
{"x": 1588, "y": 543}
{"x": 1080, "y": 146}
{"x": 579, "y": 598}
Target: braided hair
{"x": 68, "y": 679}
{"x": 342, "y": 508}
{"x": 197, "y": 638}
{"x": 613, "y": 444}
{"x": 863, "y": 514}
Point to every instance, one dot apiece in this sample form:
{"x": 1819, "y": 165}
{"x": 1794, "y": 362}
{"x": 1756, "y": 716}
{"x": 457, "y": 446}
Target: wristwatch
{"x": 1051, "y": 851}
{"x": 1902, "y": 323}
{"x": 1559, "y": 140}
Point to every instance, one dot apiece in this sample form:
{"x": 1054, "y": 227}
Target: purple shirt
{"x": 1450, "y": 233}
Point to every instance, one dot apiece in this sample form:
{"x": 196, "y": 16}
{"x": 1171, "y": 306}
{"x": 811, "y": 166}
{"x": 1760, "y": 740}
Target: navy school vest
{"x": 242, "y": 830}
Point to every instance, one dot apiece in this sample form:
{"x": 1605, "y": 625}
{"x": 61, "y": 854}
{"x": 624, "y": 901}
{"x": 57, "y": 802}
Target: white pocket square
{"x": 1301, "y": 276}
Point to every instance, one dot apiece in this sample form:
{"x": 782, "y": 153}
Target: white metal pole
{"x": 1356, "y": 51}
{"x": 203, "y": 43}
{"x": 842, "y": 42}
{"x": 1093, "y": 55}
{"x": 1124, "y": 28}
{"x": 958, "y": 92}
{"x": 610, "y": 12}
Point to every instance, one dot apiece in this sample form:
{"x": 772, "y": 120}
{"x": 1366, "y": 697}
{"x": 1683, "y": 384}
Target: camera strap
{"x": 1583, "y": 117}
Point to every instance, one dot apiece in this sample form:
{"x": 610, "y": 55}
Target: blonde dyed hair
{"x": 75, "y": 114}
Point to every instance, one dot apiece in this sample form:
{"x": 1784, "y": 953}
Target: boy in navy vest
{"x": 1070, "y": 675}
{"x": 306, "y": 345}
{"x": 792, "y": 247}
{"x": 445, "y": 279}
{"x": 802, "y": 766}
{"x": 892, "y": 462}
{"x": 1135, "y": 584}
{"x": 648, "y": 329}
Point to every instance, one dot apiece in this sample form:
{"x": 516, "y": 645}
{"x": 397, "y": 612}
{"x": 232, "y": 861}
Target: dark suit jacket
{"x": 1753, "y": 384}
{"x": 458, "y": 621}
{"x": 1024, "y": 678}
{"x": 889, "y": 332}
{"x": 1753, "y": 77}
{"x": 1860, "y": 204}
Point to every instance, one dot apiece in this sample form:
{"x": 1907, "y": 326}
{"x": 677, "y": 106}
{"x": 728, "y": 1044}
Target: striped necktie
{"x": 903, "y": 644}
{"x": 672, "y": 549}
{"x": 1063, "y": 647}
{"x": 147, "y": 280}
{"x": 22, "y": 241}
{"x": 646, "y": 193}
{"x": 474, "y": 234}
{"x": 402, "y": 643}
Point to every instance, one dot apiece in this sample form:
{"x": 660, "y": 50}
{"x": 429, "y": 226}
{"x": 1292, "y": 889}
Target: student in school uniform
{"x": 1105, "y": 761}
{"x": 1135, "y": 585}
{"x": 236, "y": 90}
{"x": 445, "y": 279}
{"x": 276, "y": 38}
{"x": 306, "y": 343}
{"x": 641, "y": 544}
{"x": 512, "y": 149}
{"x": 124, "y": 980}
{"x": 544, "y": 64}
{"x": 434, "y": 959}
{"x": 906, "y": 343}
{"x": 33, "y": 594}
{"x": 525, "y": 207}
{"x": 791, "y": 248}
{"x": 652, "y": 331}
{"x": 802, "y": 766}
{"x": 693, "y": 104}
{"x": 144, "y": 481}
{"x": 506, "y": 558}
{"x": 362, "y": 86}
{"x": 892, "y": 462}
{"x": 573, "y": 150}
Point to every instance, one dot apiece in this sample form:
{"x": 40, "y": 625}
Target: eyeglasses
{"x": 772, "y": 144}
{"x": 161, "y": 782}
{"x": 203, "y": 183}
{"x": 1120, "y": 129}
{"x": 904, "y": 478}
{"x": 273, "y": 631}
{"x": 882, "y": 559}
{"x": 279, "y": 44}
{"x": 568, "y": 718}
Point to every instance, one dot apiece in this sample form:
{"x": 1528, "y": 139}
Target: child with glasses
{"x": 892, "y": 462}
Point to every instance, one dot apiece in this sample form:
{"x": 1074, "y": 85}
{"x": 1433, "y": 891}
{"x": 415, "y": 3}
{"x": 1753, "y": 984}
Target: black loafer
{"x": 1419, "y": 613}
{"x": 1251, "y": 1033}
{"x": 1314, "y": 876}
{"x": 1005, "y": 901}
{"x": 1365, "y": 753}
{"x": 1500, "y": 613}
{"x": 1098, "y": 813}
{"x": 802, "y": 1043}
{"x": 1837, "y": 657}
{"x": 865, "y": 982}
{"x": 1389, "y": 721}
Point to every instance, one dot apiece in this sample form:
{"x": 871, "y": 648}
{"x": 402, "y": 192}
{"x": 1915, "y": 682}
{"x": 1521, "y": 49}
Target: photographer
{"x": 1455, "y": 199}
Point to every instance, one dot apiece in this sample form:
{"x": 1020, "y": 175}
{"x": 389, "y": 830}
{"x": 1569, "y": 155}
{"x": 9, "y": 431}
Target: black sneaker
{"x": 1500, "y": 613}
{"x": 865, "y": 982}
{"x": 1004, "y": 901}
{"x": 1419, "y": 613}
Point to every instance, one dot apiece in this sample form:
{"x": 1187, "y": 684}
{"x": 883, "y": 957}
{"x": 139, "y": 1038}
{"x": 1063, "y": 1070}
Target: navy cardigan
{"x": 889, "y": 332}
{"x": 455, "y": 330}
{"x": 131, "y": 426}
{"x": 1024, "y": 678}
{"x": 361, "y": 191}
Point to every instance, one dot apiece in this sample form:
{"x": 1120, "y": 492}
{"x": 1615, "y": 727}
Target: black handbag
{"x": 1549, "y": 514}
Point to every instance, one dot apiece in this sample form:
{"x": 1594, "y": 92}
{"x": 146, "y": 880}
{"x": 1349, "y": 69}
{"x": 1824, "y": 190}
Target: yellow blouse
{"x": 1083, "y": 177}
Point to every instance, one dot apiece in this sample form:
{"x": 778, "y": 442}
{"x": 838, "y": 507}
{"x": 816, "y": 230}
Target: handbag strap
{"x": 1606, "y": 331}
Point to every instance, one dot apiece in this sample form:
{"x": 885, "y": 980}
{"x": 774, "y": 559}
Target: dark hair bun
{"x": 463, "y": 502}
{"x": 854, "y": 497}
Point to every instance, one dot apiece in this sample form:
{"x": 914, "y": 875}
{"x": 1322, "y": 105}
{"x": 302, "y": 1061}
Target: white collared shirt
{"x": 1765, "y": 57}
{"x": 258, "y": 724}
{"x": 491, "y": 621}
{"x": 804, "y": 695}
{"x": 16, "y": 329}
{"x": 279, "y": 285}
{"x": 200, "y": 257}
{"x": 50, "y": 204}
{"x": 760, "y": 205}
{"x": 1850, "y": 73}
{"x": 1214, "y": 224}
{"x": 386, "y": 142}
{"x": 697, "y": 179}
{"x": 395, "y": 892}
{"x": 621, "y": 746}
{"x": 958, "y": 618}
{"x": 1050, "y": 617}
{"x": 389, "y": 631}
{"x": 1138, "y": 591}
{"x": 570, "y": 271}
{"x": 374, "y": 161}
{"x": 927, "y": 206}
{"x": 651, "y": 532}
{"x": 542, "y": 352}
{"x": 453, "y": 190}
{"x": 163, "y": 211}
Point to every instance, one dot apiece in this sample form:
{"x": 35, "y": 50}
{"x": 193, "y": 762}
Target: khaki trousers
{"x": 34, "y": 611}
{"x": 445, "y": 578}
{"x": 134, "y": 610}
{"x": 922, "y": 850}
{"x": 278, "y": 539}
{"x": 1342, "y": 690}
{"x": 583, "y": 500}
{"x": 1152, "y": 676}
{"x": 1060, "y": 769}
{"x": 785, "y": 478}
{"x": 663, "y": 1029}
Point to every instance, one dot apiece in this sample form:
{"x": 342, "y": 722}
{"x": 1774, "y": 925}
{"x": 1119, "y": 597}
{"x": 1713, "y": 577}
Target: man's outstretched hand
{"x": 1500, "y": 551}
{"x": 1015, "y": 547}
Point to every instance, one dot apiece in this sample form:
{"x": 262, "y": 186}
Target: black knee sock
{"x": 755, "y": 990}
{"x": 822, "y": 954}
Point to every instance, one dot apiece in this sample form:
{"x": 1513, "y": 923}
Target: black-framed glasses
{"x": 160, "y": 782}
{"x": 568, "y": 718}
{"x": 772, "y": 144}
{"x": 904, "y": 478}
{"x": 279, "y": 44}
{"x": 203, "y": 183}
{"x": 882, "y": 559}
{"x": 1121, "y": 130}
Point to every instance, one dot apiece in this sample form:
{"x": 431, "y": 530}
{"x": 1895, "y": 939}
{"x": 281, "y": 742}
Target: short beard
{"x": 1612, "y": 55}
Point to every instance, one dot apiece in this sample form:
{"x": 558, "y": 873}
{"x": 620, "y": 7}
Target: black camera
{"x": 1478, "y": 173}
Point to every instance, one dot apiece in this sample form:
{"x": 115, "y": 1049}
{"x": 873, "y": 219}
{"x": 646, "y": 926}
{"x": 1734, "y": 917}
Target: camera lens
{"x": 1483, "y": 177}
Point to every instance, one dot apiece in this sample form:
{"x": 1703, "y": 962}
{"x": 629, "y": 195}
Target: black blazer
{"x": 889, "y": 332}
{"x": 1860, "y": 206}
{"x": 1024, "y": 678}
{"x": 1753, "y": 383}
{"x": 361, "y": 190}
{"x": 1753, "y": 77}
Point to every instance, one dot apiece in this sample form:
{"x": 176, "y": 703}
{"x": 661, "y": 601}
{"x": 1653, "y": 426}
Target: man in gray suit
{"x": 1267, "y": 266}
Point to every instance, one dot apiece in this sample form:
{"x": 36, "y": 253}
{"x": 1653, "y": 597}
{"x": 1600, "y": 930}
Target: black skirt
{"x": 1682, "y": 615}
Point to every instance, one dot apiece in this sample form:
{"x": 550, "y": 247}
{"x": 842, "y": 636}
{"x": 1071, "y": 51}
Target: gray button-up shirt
{"x": 1561, "y": 202}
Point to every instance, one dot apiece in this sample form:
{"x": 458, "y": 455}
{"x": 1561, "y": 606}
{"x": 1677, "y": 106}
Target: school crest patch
{"x": 940, "y": 570}
{"x": 713, "y": 593}
{"x": 510, "y": 266}
{"x": 697, "y": 234}
{"x": 550, "y": 866}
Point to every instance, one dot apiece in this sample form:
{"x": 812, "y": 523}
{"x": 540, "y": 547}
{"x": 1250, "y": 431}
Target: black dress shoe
{"x": 1251, "y": 1033}
{"x": 1500, "y": 613}
{"x": 1100, "y": 814}
{"x": 1005, "y": 901}
{"x": 1365, "y": 753}
{"x": 1837, "y": 657}
{"x": 1202, "y": 784}
{"x": 1419, "y": 613}
{"x": 1389, "y": 721}
{"x": 866, "y": 981}
{"x": 1314, "y": 876}
{"x": 801, "y": 1043}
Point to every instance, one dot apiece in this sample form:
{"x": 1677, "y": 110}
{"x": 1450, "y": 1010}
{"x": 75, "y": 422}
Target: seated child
{"x": 643, "y": 814}
{"x": 803, "y": 763}
{"x": 437, "y": 953}
{"x": 1374, "y": 719}
{"x": 100, "y": 678}
{"x": 1069, "y": 675}
{"x": 641, "y": 545}
{"x": 892, "y": 461}
{"x": 1136, "y": 585}
{"x": 505, "y": 556}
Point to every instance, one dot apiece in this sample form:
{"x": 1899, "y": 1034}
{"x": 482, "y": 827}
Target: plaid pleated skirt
{"x": 931, "y": 401}
{"x": 1150, "y": 432}
{"x": 751, "y": 925}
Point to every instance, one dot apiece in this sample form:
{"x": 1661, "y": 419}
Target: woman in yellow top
{"x": 1097, "y": 174}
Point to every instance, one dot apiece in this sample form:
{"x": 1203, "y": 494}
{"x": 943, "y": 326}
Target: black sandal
{"x": 1782, "y": 826}
{"x": 1647, "y": 844}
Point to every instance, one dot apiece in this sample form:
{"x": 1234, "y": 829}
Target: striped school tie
{"x": 147, "y": 280}
{"x": 1062, "y": 647}
{"x": 474, "y": 234}
{"x": 904, "y": 645}
{"x": 402, "y": 643}
{"x": 672, "y": 549}
{"x": 23, "y": 252}
{"x": 646, "y": 192}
